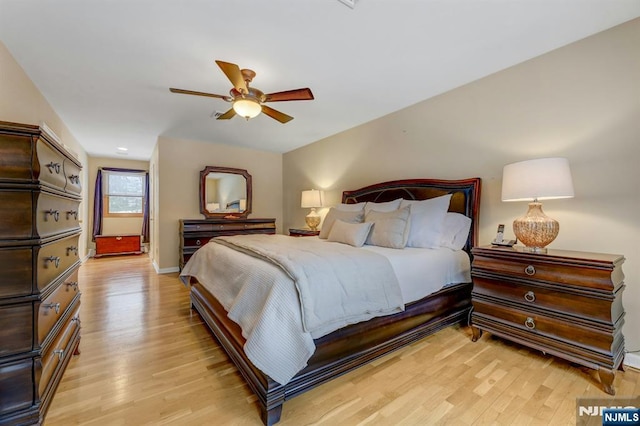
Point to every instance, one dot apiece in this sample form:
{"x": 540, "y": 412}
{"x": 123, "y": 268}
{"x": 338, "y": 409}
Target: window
{"x": 123, "y": 194}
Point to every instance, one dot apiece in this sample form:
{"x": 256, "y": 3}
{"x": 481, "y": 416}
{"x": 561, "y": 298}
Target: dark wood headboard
{"x": 465, "y": 197}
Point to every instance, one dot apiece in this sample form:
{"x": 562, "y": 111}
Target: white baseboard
{"x": 632, "y": 360}
{"x": 164, "y": 270}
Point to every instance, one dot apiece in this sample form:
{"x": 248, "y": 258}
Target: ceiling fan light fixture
{"x": 247, "y": 107}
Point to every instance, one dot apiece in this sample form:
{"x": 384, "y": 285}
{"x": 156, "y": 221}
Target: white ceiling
{"x": 106, "y": 65}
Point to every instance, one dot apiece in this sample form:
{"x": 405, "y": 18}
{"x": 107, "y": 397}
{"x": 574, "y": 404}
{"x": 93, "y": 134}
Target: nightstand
{"x": 306, "y": 232}
{"x": 565, "y": 303}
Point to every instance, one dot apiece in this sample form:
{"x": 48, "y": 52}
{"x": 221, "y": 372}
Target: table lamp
{"x": 535, "y": 180}
{"x": 312, "y": 198}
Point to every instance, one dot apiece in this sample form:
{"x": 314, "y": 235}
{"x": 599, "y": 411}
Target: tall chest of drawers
{"x": 194, "y": 233}
{"x": 40, "y": 194}
{"x": 565, "y": 303}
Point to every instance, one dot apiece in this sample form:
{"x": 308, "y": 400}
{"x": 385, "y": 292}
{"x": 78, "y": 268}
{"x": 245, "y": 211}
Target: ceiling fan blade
{"x": 276, "y": 115}
{"x": 232, "y": 71}
{"x": 227, "y": 115}
{"x": 290, "y": 95}
{"x": 191, "y": 92}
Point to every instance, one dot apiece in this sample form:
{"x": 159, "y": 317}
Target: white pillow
{"x": 333, "y": 215}
{"x": 455, "y": 231}
{"x": 390, "y": 229}
{"x": 358, "y": 207}
{"x": 354, "y": 234}
{"x": 382, "y": 207}
{"x": 427, "y": 221}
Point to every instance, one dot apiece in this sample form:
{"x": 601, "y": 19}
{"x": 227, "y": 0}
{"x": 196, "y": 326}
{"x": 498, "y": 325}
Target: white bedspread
{"x": 335, "y": 284}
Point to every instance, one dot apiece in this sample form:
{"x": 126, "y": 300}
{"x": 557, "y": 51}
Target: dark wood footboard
{"x": 338, "y": 352}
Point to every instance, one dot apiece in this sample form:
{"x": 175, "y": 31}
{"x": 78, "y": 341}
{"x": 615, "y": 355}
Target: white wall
{"x": 581, "y": 102}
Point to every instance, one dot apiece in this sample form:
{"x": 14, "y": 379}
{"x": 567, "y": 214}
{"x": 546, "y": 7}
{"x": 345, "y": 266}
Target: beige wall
{"x": 110, "y": 225}
{"x": 177, "y": 164}
{"x": 22, "y": 102}
{"x": 581, "y": 102}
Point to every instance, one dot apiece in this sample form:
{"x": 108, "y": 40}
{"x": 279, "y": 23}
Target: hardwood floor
{"x": 147, "y": 359}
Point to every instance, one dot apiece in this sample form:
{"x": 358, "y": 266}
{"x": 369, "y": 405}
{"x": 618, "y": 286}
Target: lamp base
{"x": 536, "y": 230}
{"x": 312, "y": 220}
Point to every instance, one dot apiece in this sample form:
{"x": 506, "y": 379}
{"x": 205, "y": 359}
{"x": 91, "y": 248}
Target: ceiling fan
{"x": 247, "y": 101}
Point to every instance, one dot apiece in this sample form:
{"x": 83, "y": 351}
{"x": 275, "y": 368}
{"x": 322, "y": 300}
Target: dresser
{"x": 565, "y": 303}
{"x": 196, "y": 233}
{"x": 40, "y": 194}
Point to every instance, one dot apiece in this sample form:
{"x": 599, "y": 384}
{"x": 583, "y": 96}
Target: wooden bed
{"x": 355, "y": 345}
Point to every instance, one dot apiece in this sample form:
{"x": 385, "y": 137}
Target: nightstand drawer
{"x": 586, "y": 273}
{"x": 534, "y": 324}
{"x": 530, "y": 270}
{"x": 596, "y": 307}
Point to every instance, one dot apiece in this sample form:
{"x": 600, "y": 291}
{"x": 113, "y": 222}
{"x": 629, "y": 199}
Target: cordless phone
{"x": 499, "y": 241}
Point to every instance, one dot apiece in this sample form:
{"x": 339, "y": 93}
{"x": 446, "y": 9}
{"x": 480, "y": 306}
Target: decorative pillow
{"x": 358, "y": 207}
{"x": 382, "y": 207}
{"x": 427, "y": 221}
{"x": 333, "y": 215}
{"x": 455, "y": 231}
{"x": 390, "y": 229}
{"x": 354, "y": 234}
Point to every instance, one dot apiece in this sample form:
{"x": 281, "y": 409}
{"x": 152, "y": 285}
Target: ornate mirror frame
{"x": 203, "y": 193}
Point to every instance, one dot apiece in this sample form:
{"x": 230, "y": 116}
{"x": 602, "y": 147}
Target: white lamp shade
{"x": 247, "y": 107}
{"x": 311, "y": 198}
{"x": 540, "y": 179}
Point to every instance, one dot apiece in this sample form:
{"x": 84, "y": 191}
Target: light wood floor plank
{"x": 147, "y": 359}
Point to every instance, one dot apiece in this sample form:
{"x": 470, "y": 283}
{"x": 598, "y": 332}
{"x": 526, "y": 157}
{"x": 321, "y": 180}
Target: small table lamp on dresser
{"x": 535, "y": 180}
{"x": 312, "y": 198}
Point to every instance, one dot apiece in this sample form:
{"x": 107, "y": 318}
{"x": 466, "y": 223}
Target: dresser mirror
{"x": 225, "y": 192}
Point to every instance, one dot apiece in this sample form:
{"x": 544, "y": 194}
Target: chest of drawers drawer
{"x": 55, "y": 258}
{"x": 536, "y": 324}
{"x": 16, "y": 388}
{"x": 16, "y": 271}
{"x": 59, "y": 352}
{"x": 590, "y": 276}
{"x": 196, "y": 242}
{"x": 15, "y": 340}
{"x": 56, "y": 304}
{"x": 54, "y": 214}
{"x": 561, "y": 300}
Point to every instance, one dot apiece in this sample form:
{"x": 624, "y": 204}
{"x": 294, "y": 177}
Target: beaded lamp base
{"x": 536, "y": 230}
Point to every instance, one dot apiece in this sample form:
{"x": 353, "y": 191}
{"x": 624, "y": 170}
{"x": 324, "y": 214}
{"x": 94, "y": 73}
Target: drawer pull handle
{"x": 73, "y": 285}
{"x": 118, "y": 238}
{"x": 530, "y": 270}
{"x": 198, "y": 242}
{"x": 74, "y": 178}
{"x": 529, "y": 323}
{"x": 77, "y": 319}
{"x": 60, "y": 353}
{"x": 54, "y": 259}
{"x": 530, "y": 296}
{"x": 73, "y": 213}
{"x": 72, "y": 249}
{"x": 54, "y": 306}
{"x": 54, "y": 213}
{"x": 54, "y": 166}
